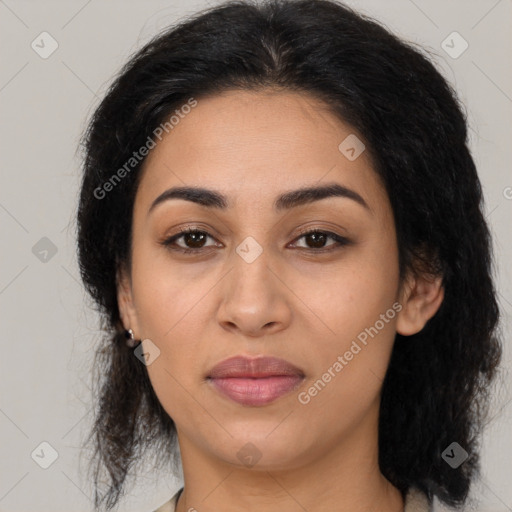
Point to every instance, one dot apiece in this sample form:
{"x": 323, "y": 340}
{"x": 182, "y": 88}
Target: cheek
{"x": 356, "y": 309}
{"x": 171, "y": 307}
{"x": 360, "y": 327}
{"x": 349, "y": 363}
{"x": 352, "y": 295}
{"x": 165, "y": 295}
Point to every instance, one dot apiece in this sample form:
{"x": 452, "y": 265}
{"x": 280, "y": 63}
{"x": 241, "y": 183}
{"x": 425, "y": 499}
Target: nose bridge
{"x": 253, "y": 297}
{"x": 252, "y": 273}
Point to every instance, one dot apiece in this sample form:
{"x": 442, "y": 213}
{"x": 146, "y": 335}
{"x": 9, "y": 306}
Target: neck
{"x": 346, "y": 478}
{"x": 383, "y": 497}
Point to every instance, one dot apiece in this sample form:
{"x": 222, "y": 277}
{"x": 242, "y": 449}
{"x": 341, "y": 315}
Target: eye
{"x": 318, "y": 239}
{"x": 196, "y": 238}
{"x": 194, "y": 241}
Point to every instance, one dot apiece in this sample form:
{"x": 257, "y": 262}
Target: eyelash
{"x": 341, "y": 241}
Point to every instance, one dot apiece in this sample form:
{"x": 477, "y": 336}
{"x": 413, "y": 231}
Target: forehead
{"x": 252, "y": 145}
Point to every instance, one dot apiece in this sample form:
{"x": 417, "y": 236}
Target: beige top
{"x": 415, "y": 501}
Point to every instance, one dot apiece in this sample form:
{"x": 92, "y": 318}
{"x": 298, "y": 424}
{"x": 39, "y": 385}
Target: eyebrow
{"x": 286, "y": 201}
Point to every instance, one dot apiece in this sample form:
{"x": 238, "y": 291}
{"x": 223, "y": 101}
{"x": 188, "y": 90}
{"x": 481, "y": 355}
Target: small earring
{"x": 130, "y": 338}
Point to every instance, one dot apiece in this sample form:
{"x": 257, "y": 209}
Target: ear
{"x": 125, "y": 303}
{"x": 420, "y": 297}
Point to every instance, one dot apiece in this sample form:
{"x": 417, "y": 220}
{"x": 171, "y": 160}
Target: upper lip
{"x": 243, "y": 366}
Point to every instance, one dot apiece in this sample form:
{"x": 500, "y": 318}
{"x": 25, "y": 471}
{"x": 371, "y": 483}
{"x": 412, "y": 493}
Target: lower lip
{"x": 260, "y": 391}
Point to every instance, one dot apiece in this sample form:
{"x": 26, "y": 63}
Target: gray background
{"x": 49, "y": 331}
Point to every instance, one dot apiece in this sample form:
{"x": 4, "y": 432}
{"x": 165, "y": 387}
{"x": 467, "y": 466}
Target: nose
{"x": 256, "y": 301}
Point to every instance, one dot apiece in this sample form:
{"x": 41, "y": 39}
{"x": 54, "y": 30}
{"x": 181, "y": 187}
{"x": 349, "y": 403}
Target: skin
{"x": 290, "y": 302}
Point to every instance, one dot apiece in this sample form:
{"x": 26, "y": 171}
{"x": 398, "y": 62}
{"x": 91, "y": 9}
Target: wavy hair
{"x": 436, "y": 390}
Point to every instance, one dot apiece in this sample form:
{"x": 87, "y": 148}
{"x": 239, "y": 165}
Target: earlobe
{"x": 125, "y": 302}
{"x": 421, "y": 298}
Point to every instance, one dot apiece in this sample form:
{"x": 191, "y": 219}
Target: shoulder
{"x": 170, "y": 506}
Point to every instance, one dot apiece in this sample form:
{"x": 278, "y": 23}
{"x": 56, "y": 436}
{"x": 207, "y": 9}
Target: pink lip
{"x": 256, "y": 381}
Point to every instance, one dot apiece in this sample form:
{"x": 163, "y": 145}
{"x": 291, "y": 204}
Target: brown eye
{"x": 193, "y": 240}
{"x": 316, "y": 240}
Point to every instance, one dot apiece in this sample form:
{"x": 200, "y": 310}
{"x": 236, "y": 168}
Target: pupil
{"x": 321, "y": 236}
{"x": 194, "y": 239}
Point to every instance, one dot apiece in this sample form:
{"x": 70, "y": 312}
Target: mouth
{"x": 255, "y": 382}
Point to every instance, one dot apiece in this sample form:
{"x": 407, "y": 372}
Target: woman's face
{"x": 254, "y": 285}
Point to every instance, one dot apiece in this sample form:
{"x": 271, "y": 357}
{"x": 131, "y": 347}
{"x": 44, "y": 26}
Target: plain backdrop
{"x": 48, "y": 330}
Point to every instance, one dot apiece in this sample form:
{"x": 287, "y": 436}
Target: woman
{"x": 282, "y": 225}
